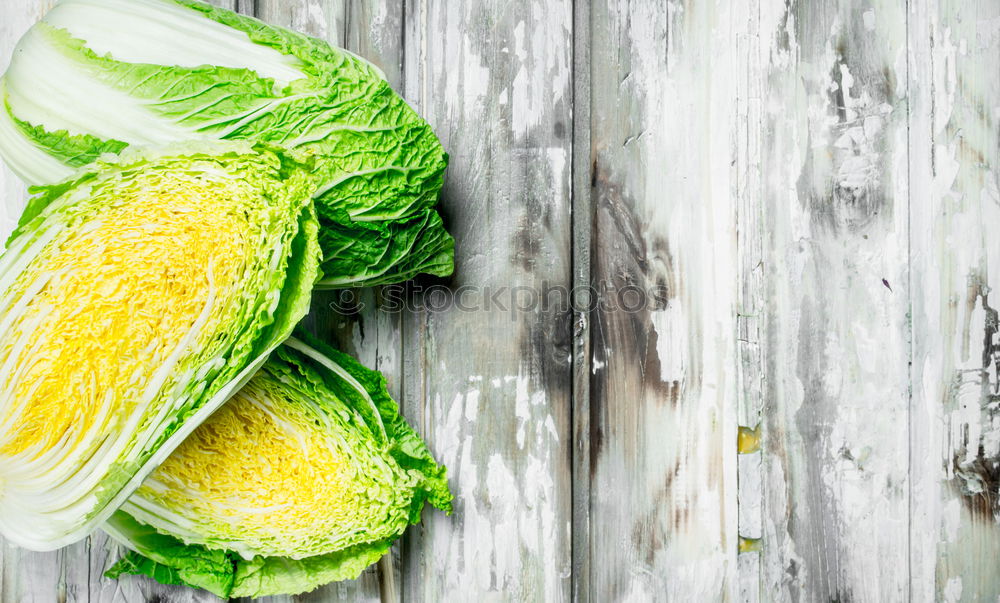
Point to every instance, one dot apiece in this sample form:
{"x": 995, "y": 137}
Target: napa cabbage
{"x": 135, "y": 298}
{"x": 97, "y": 76}
{"x": 306, "y": 476}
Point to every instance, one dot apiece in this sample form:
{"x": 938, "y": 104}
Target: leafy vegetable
{"x": 135, "y": 298}
{"x": 95, "y": 76}
{"x": 305, "y": 476}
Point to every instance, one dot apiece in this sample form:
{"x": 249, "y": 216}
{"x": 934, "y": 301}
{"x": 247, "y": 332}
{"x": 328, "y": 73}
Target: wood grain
{"x": 955, "y": 258}
{"x": 491, "y": 388}
{"x": 751, "y": 303}
{"x": 583, "y": 219}
{"x": 663, "y": 517}
{"x": 834, "y": 174}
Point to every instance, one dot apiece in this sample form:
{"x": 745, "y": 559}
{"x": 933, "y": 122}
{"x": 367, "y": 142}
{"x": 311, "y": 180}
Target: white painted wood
{"x": 751, "y": 308}
{"x": 582, "y": 210}
{"x": 955, "y": 258}
{"x": 491, "y": 389}
{"x": 834, "y": 177}
{"x": 663, "y": 401}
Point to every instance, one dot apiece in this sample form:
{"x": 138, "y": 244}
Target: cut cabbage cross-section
{"x": 96, "y": 76}
{"x": 134, "y": 299}
{"x": 304, "y": 477}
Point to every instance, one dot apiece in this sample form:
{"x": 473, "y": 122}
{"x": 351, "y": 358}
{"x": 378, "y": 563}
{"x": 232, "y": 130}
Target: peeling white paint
{"x": 475, "y": 76}
{"x": 672, "y": 341}
{"x": 506, "y": 507}
{"x": 869, "y": 18}
{"x": 953, "y": 589}
{"x": 471, "y": 405}
{"x": 835, "y": 190}
{"x": 317, "y": 18}
{"x": 542, "y": 75}
{"x": 945, "y": 82}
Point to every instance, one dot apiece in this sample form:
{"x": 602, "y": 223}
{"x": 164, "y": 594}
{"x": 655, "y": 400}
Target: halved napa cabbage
{"x": 304, "y": 477}
{"x": 135, "y": 298}
{"x": 95, "y": 76}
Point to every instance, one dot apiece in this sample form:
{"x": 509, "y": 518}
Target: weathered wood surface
{"x": 955, "y": 260}
{"x": 491, "y": 388}
{"x": 795, "y": 201}
{"x": 834, "y": 180}
{"x": 662, "y": 398}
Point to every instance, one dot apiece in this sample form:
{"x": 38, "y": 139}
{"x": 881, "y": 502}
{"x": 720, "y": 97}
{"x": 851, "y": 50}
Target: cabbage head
{"x": 97, "y": 76}
{"x": 306, "y": 476}
{"x": 135, "y": 298}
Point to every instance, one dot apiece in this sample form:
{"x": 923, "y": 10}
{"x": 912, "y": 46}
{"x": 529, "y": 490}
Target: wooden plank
{"x": 583, "y": 225}
{"x": 374, "y": 30}
{"x": 324, "y": 19}
{"x": 663, "y": 395}
{"x": 834, "y": 176}
{"x": 351, "y": 320}
{"x": 490, "y": 388}
{"x": 955, "y": 258}
{"x": 751, "y": 301}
